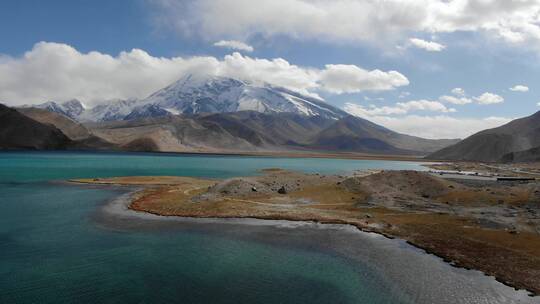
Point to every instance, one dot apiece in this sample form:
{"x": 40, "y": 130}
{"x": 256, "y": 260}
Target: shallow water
{"x": 63, "y": 243}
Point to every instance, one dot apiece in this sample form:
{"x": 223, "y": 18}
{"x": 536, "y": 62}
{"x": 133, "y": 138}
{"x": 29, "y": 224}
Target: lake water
{"x": 60, "y": 243}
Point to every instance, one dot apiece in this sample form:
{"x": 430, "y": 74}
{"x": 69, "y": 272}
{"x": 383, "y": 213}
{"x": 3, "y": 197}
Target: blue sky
{"x": 392, "y": 63}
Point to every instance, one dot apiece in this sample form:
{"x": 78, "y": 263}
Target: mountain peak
{"x": 71, "y": 108}
{"x": 75, "y": 103}
{"x": 203, "y": 80}
{"x": 194, "y": 94}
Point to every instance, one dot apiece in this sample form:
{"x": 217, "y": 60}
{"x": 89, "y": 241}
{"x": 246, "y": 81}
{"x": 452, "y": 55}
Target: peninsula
{"x": 479, "y": 224}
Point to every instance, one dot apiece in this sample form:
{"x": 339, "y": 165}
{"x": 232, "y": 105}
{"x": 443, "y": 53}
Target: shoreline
{"x": 270, "y": 154}
{"x": 125, "y": 202}
{"x": 360, "y": 228}
{"x": 160, "y": 198}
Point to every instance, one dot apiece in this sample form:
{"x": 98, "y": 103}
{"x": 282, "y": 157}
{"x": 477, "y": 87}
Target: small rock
{"x": 282, "y": 190}
{"x": 368, "y": 215}
{"x": 254, "y": 189}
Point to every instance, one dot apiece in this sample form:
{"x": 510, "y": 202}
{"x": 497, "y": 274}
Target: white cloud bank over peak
{"x": 435, "y": 126}
{"x": 234, "y": 45}
{"x": 514, "y": 21}
{"x": 430, "y": 46}
{"x": 519, "y": 88}
{"x": 55, "y": 71}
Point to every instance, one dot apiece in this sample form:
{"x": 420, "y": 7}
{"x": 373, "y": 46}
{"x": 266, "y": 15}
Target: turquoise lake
{"x": 59, "y": 244}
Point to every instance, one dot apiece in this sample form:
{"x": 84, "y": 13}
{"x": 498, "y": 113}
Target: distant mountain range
{"x": 194, "y": 95}
{"x": 228, "y": 132}
{"x": 216, "y": 114}
{"x": 518, "y": 140}
{"x": 254, "y": 131}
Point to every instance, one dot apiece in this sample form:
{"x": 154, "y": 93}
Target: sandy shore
{"x": 492, "y": 228}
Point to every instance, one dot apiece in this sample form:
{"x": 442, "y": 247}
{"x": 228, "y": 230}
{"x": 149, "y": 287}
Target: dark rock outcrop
{"x": 18, "y": 131}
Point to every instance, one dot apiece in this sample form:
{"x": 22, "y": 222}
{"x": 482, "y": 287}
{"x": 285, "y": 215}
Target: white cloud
{"x": 437, "y": 126}
{"x": 458, "y": 91}
{"x": 519, "y": 88}
{"x": 274, "y": 71}
{"x": 400, "y": 108}
{"x": 341, "y": 78}
{"x": 353, "y": 20}
{"x": 234, "y": 45}
{"x": 429, "y": 46}
{"x": 488, "y": 98}
{"x": 374, "y": 110}
{"x": 367, "y": 98}
{"x": 404, "y": 94}
{"x": 455, "y": 100}
{"x": 54, "y": 71}
{"x": 424, "y": 105}
{"x": 461, "y": 98}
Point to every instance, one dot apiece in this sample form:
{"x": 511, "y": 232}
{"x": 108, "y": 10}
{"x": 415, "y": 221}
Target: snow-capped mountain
{"x": 147, "y": 111}
{"x": 208, "y": 94}
{"x": 214, "y": 94}
{"x": 72, "y": 108}
{"x": 110, "y": 110}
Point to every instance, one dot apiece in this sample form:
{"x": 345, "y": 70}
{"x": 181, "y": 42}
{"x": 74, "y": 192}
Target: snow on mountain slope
{"x": 72, "y": 108}
{"x": 207, "y": 94}
{"x": 147, "y": 111}
{"x": 219, "y": 95}
{"x": 110, "y": 110}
